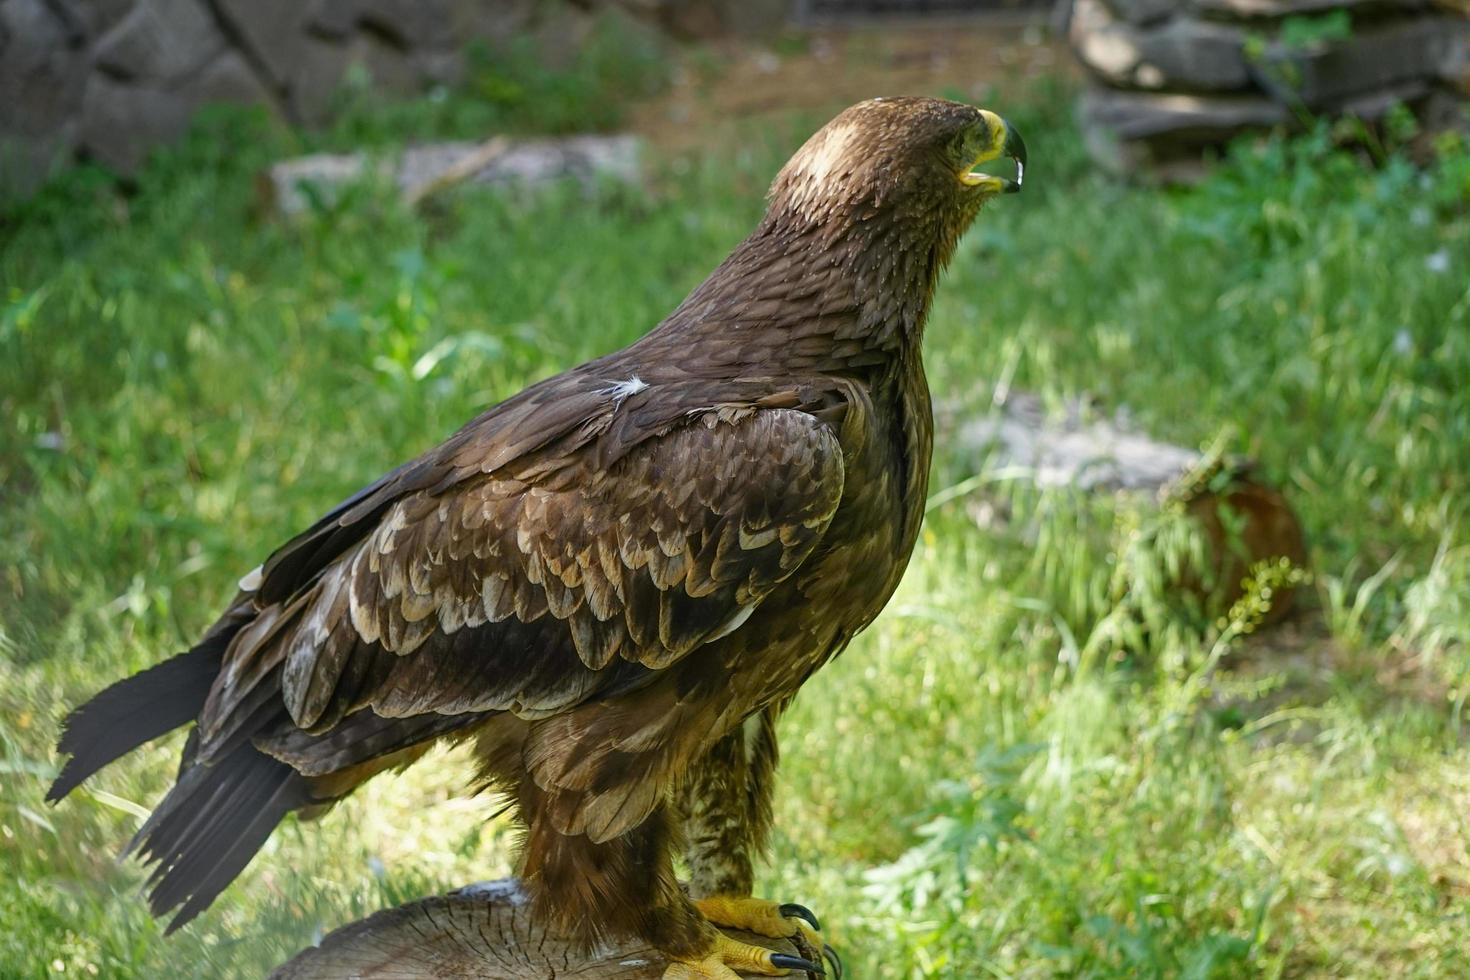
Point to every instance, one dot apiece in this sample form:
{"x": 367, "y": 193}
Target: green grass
{"x": 1027, "y": 767}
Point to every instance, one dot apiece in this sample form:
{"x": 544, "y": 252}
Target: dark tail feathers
{"x": 216, "y": 816}
{"x": 133, "y": 711}
{"x": 211, "y": 824}
{"x": 146, "y": 705}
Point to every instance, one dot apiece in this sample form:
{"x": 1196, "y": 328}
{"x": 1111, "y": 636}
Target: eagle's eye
{"x": 991, "y": 137}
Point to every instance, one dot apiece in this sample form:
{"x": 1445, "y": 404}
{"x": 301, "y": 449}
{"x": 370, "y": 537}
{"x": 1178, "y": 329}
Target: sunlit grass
{"x": 184, "y": 384}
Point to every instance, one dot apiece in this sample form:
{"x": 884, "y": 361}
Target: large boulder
{"x": 121, "y": 122}
{"x": 1276, "y": 10}
{"x": 43, "y": 70}
{"x": 1184, "y": 54}
{"x": 1372, "y": 59}
{"x": 160, "y": 40}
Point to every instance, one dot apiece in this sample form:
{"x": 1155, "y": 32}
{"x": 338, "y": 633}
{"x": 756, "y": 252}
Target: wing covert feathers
{"x": 545, "y": 583}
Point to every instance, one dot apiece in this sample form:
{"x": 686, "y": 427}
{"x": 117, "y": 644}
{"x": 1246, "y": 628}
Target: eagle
{"x": 612, "y": 583}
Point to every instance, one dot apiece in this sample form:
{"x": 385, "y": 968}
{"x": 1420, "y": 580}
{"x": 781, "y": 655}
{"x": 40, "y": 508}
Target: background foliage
{"x": 998, "y": 778}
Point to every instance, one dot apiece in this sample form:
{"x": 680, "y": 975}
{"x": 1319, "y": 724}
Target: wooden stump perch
{"x": 480, "y": 932}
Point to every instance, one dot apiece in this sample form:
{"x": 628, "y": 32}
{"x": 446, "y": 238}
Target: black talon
{"x": 787, "y": 962}
{"x": 801, "y": 912}
{"x": 830, "y": 955}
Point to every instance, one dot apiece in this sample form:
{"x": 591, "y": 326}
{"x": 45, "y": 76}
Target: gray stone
{"x": 1141, "y": 12}
{"x": 333, "y": 19}
{"x": 160, "y": 40}
{"x": 32, "y": 34}
{"x": 41, "y": 78}
{"x": 390, "y": 69}
{"x": 498, "y": 21}
{"x": 522, "y": 162}
{"x": 275, "y": 33}
{"x": 1372, "y": 106}
{"x": 228, "y": 78}
{"x": 402, "y": 23}
{"x": 1145, "y": 116}
{"x": 314, "y": 78}
{"x": 120, "y": 123}
{"x": 440, "y": 67}
{"x": 411, "y": 23}
{"x": 1073, "y": 448}
{"x": 308, "y": 49}
{"x": 1182, "y": 55}
{"x": 93, "y": 18}
{"x": 1371, "y": 60}
{"x": 1279, "y": 9}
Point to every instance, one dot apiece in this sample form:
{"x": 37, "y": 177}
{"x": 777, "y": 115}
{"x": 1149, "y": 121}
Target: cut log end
{"x": 485, "y": 932}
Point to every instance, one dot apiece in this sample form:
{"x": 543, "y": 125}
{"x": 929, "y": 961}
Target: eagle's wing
{"x": 540, "y": 582}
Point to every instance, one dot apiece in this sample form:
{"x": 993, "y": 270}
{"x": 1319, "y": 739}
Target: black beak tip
{"x": 1015, "y": 148}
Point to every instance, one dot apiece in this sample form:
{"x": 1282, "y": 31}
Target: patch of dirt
{"x": 722, "y": 86}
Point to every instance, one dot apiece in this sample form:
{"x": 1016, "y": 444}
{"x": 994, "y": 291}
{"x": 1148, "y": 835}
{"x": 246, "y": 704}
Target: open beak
{"x": 1011, "y": 146}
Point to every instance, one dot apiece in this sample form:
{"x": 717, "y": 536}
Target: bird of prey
{"x": 613, "y": 582}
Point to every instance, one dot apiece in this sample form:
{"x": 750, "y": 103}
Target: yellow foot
{"x": 766, "y": 918}
{"x": 730, "y": 958}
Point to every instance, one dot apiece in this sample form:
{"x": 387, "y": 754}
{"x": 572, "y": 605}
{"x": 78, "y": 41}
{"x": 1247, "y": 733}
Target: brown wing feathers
{"x": 565, "y": 547}
{"x": 508, "y": 595}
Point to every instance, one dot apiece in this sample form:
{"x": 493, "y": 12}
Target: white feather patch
{"x": 618, "y": 390}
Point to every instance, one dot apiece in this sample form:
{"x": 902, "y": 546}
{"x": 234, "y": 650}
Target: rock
{"x": 42, "y": 76}
{"x": 401, "y": 23}
{"x": 1243, "y": 520}
{"x": 581, "y": 158}
{"x": 1071, "y": 449}
{"x": 1372, "y": 59}
{"x": 157, "y": 60}
{"x": 160, "y": 40}
{"x": 91, "y": 18}
{"x": 308, "y": 49}
{"x": 273, "y": 31}
{"x": 314, "y": 76}
{"x": 389, "y": 68}
{"x": 492, "y": 21}
{"x": 121, "y": 122}
{"x": 411, "y": 23}
{"x": 1187, "y": 118}
{"x": 1184, "y": 54}
{"x": 1373, "y": 106}
{"x": 228, "y": 78}
{"x": 1280, "y": 9}
{"x": 1143, "y": 12}
{"x": 439, "y": 67}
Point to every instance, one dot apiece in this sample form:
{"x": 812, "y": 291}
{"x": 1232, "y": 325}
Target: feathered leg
{"x": 585, "y": 887}
{"x": 626, "y": 886}
{"x": 727, "y": 808}
{"x": 726, "y": 802}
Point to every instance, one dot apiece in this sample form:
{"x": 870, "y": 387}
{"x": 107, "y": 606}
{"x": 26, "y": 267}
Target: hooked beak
{"x": 1008, "y": 143}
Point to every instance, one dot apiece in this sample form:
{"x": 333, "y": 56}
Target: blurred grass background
{"x": 1025, "y": 768}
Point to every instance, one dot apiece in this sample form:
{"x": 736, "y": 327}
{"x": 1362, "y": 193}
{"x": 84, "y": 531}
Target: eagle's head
{"x": 858, "y": 226}
{"x": 911, "y": 160}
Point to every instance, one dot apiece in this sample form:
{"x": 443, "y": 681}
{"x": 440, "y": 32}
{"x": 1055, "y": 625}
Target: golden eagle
{"x": 614, "y": 582}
